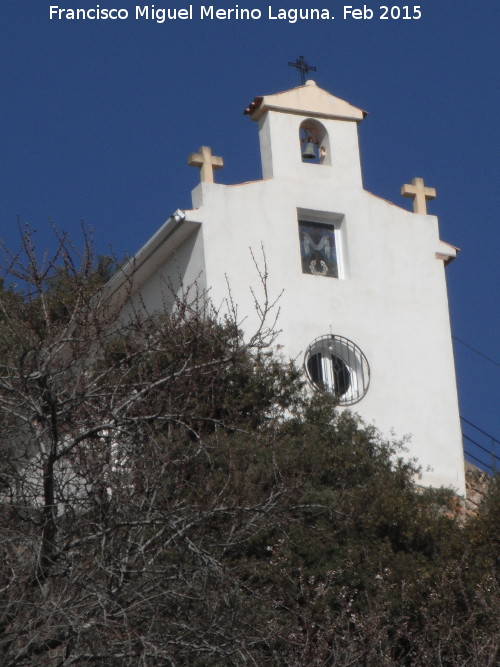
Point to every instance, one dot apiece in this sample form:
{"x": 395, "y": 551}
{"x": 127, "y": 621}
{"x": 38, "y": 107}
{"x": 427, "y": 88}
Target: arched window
{"x": 314, "y": 142}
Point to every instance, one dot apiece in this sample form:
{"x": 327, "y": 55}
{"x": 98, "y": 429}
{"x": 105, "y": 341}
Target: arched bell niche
{"x": 314, "y": 142}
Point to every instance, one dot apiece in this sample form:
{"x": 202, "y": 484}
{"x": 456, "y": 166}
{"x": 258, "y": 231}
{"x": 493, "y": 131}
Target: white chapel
{"x": 364, "y": 304}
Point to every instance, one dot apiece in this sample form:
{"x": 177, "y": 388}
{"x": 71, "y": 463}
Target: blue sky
{"x": 97, "y": 119}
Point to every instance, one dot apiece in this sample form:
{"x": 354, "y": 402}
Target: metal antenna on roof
{"x": 301, "y": 65}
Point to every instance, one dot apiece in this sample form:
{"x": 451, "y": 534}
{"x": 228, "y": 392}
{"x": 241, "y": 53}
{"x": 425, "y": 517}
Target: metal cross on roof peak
{"x": 301, "y": 65}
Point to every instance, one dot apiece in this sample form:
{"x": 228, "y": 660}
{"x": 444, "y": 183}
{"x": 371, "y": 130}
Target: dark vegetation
{"x": 172, "y": 495}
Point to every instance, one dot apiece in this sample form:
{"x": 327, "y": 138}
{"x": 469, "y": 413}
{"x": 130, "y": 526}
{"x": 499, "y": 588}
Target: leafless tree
{"x": 106, "y": 426}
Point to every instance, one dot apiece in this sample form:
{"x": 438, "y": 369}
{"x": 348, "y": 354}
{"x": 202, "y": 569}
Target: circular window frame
{"x": 344, "y": 357}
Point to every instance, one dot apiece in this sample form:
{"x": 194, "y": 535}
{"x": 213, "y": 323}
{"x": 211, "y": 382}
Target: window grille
{"x": 335, "y": 364}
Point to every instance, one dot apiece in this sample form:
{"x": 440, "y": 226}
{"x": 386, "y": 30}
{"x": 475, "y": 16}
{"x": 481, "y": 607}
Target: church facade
{"x": 363, "y": 303}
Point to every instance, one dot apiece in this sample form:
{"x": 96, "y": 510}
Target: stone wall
{"x": 476, "y": 484}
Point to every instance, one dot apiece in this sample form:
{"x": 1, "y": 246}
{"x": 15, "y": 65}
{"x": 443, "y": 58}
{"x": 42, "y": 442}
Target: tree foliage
{"x": 172, "y": 494}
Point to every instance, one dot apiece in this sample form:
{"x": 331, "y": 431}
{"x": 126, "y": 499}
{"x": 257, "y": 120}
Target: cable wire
{"x": 485, "y": 356}
{"x": 492, "y": 437}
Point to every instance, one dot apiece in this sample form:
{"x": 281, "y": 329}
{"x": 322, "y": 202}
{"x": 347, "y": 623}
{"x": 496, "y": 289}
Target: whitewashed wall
{"x": 390, "y": 300}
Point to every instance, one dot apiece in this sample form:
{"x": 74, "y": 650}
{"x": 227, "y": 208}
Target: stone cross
{"x": 207, "y": 163}
{"x": 419, "y": 193}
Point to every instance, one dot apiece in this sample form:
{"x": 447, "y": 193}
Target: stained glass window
{"x": 317, "y": 249}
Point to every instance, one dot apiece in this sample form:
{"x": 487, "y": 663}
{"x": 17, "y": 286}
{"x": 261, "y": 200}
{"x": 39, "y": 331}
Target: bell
{"x": 309, "y": 153}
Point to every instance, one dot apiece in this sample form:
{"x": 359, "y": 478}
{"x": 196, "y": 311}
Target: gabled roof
{"x": 306, "y": 100}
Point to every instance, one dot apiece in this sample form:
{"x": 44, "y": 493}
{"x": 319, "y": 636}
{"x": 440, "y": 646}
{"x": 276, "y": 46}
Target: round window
{"x": 336, "y": 364}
